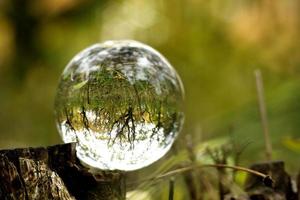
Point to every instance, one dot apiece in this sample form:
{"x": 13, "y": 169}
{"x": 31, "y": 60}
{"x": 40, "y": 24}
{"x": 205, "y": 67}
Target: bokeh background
{"x": 214, "y": 45}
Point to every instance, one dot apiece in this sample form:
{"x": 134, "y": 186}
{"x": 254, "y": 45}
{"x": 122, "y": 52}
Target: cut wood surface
{"x": 54, "y": 173}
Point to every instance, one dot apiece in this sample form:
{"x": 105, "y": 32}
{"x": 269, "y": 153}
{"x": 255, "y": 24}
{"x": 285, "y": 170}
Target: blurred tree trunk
{"x": 54, "y": 173}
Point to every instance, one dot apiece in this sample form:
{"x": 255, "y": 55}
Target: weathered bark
{"x": 281, "y": 189}
{"x": 258, "y": 188}
{"x": 54, "y": 173}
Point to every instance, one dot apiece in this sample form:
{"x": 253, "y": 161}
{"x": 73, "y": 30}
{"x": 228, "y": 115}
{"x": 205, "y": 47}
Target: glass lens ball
{"x": 121, "y": 102}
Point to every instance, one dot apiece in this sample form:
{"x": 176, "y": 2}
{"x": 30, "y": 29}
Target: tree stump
{"x": 55, "y": 173}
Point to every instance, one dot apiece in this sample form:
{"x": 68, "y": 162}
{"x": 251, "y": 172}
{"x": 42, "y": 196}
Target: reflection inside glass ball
{"x": 121, "y": 102}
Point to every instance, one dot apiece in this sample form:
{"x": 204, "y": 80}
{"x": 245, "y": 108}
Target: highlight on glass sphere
{"x": 121, "y": 102}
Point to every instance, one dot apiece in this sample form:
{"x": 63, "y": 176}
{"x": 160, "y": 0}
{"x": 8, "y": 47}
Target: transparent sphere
{"x": 121, "y": 102}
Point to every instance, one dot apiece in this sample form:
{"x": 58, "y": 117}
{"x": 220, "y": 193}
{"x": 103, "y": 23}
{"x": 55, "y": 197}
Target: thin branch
{"x": 171, "y": 188}
{"x": 266, "y": 178}
{"x": 263, "y": 113}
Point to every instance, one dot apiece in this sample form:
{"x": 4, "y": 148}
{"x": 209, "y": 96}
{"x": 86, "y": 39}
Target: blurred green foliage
{"x": 214, "y": 45}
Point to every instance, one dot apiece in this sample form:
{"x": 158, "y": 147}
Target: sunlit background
{"x": 214, "y": 45}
